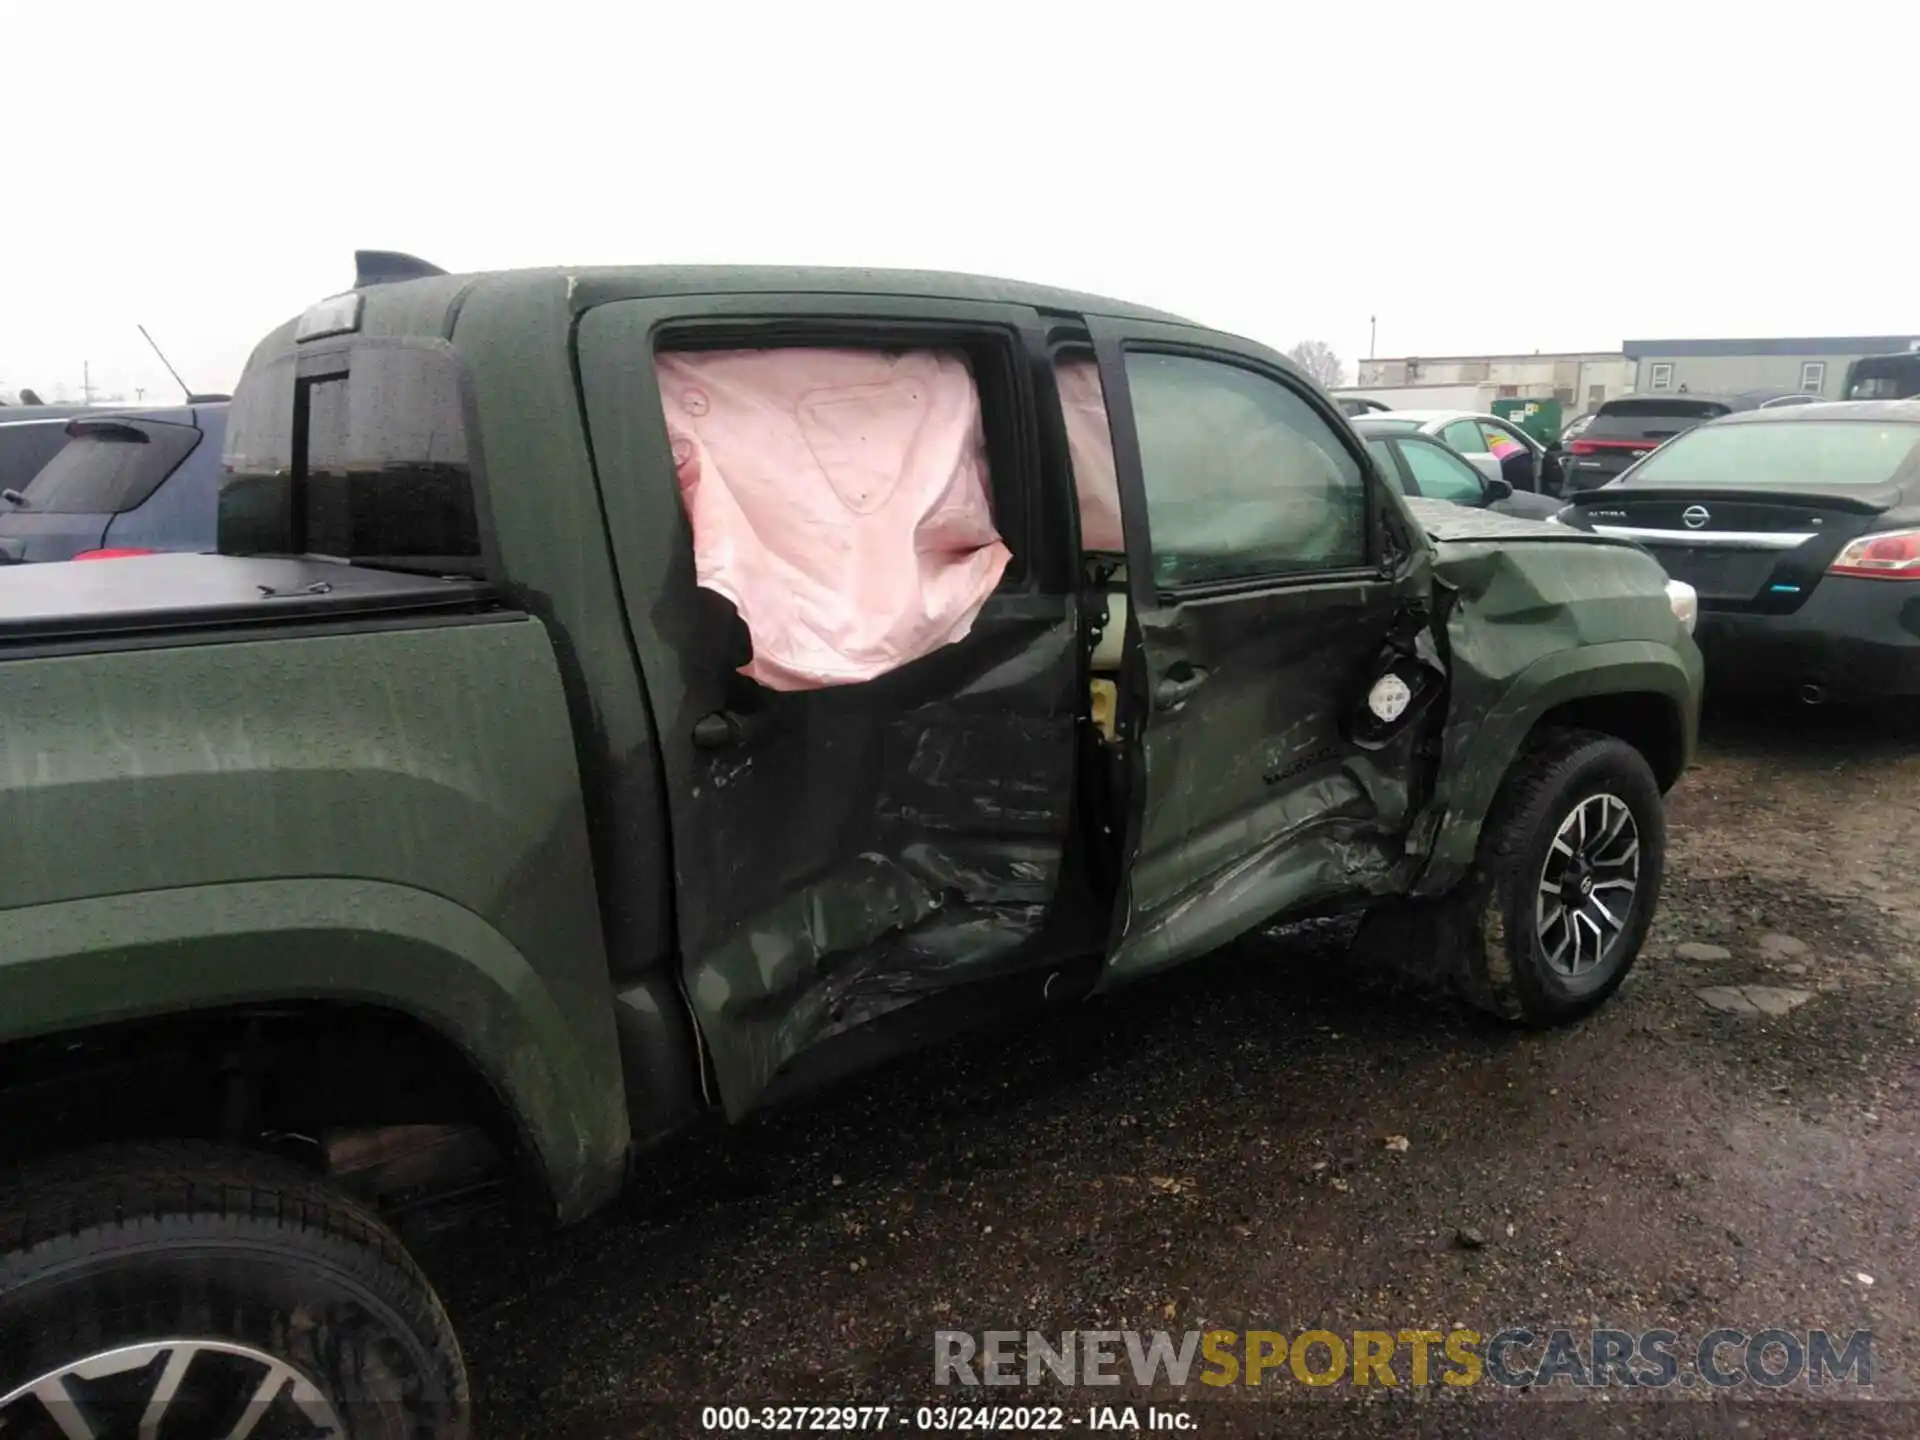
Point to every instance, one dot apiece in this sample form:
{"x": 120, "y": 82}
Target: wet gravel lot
{"x": 1732, "y": 1142}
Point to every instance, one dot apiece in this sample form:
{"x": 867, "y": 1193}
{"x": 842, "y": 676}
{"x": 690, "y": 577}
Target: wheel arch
{"x": 207, "y": 958}
{"x": 1642, "y": 692}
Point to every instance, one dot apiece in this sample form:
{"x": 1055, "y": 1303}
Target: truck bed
{"x": 82, "y": 600}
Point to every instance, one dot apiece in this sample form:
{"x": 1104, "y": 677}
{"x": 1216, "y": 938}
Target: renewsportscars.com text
{"x": 1517, "y": 1357}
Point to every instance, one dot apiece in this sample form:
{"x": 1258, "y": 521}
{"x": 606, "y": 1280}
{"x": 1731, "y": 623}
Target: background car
{"x": 121, "y": 482}
{"x": 1357, "y": 405}
{"x": 31, "y": 435}
{"x": 1624, "y": 429}
{"x": 1423, "y": 466}
{"x": 1574, "y": 429}
{"x": 1799, "y": 527}
{"x": 1494, "y": 447}
{"x": 1883, "y": 377}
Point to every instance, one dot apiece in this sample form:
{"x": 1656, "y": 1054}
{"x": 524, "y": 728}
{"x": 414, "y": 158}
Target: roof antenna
{"x": 166, "y": 362}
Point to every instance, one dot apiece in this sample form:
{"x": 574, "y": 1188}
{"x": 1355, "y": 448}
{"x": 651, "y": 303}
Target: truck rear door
{"x": 843, "y": 852}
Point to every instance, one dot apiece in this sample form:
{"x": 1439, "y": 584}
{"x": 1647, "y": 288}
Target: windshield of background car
{"x": 1649, "y": 419}
{"x": 110, "y": 468}
{"x": 1787, "y": 453}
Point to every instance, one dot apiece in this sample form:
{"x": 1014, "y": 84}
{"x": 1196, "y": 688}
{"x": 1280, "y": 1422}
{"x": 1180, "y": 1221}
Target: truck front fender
{"x": 1666, "y": 680}
{"x": 552, "y": 1062}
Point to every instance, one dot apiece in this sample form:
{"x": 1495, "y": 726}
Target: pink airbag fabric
{"x": 839, "y": 500}
{"x": 1090, "y": 448}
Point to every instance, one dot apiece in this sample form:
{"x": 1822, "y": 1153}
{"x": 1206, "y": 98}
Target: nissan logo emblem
{"x": 1695, "y": 516}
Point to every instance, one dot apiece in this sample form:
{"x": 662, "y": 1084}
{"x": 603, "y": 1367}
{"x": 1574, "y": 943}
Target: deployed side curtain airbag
{"x": 839, "y": 500}
{"x": 1090, "y": 447}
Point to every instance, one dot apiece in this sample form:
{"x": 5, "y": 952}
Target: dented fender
{"x": 1533, "y": 624}
{"x": 1477, "y": 759}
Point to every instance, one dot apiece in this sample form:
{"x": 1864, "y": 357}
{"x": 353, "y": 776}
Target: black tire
{"x": 124, "y": 1247}
{"x": 1500, "y": 958}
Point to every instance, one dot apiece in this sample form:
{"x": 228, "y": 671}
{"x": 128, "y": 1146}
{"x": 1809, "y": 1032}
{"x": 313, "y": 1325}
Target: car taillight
{"x": 1890, "y": 555}
{"x": 1594, "y": 447}
{"x": 1585, "y": 447}
{"x": 119, "y": 554}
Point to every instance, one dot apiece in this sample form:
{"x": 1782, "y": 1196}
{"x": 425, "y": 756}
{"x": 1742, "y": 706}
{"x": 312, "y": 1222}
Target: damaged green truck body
{"x": 486, "y": 828}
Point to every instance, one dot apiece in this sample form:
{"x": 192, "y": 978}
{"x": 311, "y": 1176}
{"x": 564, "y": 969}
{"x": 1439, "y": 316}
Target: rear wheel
{"x": 163, "y": 1292}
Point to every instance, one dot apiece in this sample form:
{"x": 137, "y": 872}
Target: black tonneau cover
{"x": 144, "y": 594}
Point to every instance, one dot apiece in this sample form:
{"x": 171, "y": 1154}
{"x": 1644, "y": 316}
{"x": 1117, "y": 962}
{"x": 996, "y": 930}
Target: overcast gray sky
{"x": 1544, "y": 176}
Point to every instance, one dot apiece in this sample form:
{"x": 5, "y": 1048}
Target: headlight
{"x": 1685, "y": 601}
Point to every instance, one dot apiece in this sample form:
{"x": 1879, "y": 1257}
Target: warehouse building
{"x": 1578, "y": 380}
{"x": 1817, "y": 366}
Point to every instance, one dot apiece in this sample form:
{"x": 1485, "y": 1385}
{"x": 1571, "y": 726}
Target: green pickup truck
{"x": 456, "y": 827}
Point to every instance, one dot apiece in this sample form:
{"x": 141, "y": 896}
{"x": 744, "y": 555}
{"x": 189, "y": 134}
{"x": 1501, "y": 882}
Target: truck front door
{"x": 841, "y": 853}
{"x": 1274, "y": 584}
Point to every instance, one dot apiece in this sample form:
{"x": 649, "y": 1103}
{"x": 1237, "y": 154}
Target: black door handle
{"x": 723, "y": 729}
{"x": 1177, "y": 684}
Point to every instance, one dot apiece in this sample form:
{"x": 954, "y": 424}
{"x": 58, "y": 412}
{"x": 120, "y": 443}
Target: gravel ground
{"x": 1213, "y": 1151}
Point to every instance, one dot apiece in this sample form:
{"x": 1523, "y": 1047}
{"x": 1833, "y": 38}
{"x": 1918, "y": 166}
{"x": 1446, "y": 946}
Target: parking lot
{"x": 1223, "y": 1150}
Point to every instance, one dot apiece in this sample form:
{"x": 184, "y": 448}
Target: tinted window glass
{"x": 1243, "y": 478}
{"x": 1382, "y": 452}
{"x": 110, "y": 467}
{"x": 1884, "y": 377}
{"x": 384, "y": 477}
{"x": 1649, "y": 419}
{"x": 1787, "y": 453}
{"x": 1465, "y": 436}
{"x": 1442, "y": 475}
{"x": 26, "y": 445}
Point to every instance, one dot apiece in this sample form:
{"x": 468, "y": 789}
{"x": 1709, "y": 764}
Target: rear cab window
{"x": 360, "y": 453}
{"x": 110, "y": 466}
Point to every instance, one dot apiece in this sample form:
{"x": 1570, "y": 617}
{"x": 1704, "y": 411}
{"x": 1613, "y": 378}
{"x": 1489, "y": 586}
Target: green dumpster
{"x": 1539, "y": 418}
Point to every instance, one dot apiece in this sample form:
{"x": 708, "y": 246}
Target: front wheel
{"x": 163, "y": 1292}
{"x": 1565, "y": 882}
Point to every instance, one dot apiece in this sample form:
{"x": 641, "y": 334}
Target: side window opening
{"x": 368, "y": 463}
{"x": 1442, "y": 475}
{"x": 1096, "y": 488}
{"x": 1096, "y": 485}
{"x": 841, "y": 500}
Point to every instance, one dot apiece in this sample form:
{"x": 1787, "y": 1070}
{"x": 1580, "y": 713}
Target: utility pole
{"x": 86, "y": 383}
{"x": 1373, "y": 330}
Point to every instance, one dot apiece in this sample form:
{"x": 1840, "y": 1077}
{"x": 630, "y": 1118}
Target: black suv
{"x": 1624, "y": 429}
